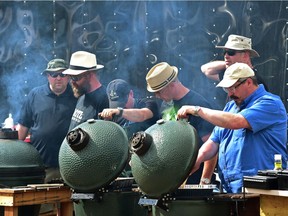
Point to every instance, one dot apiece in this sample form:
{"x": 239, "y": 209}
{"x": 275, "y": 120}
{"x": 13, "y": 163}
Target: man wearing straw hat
{"x": 87, "y": 87}
{"x": 250, "y": 130}
{"x": 162, "y": 80}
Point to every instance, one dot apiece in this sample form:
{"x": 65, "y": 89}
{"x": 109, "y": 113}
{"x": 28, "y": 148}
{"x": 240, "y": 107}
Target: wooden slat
{"x": 12, "y": 198}
{"x": 42, "y": 196}
{"x": 19, "y": 197}
{"x": 11, "y": 211}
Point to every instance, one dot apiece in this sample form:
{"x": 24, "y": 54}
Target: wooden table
{"x": 272, "y": 202}
{"x": 12, "y": 198}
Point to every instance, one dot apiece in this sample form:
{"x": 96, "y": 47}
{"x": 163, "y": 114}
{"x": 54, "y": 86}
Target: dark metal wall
{"x": 129, "y": 37}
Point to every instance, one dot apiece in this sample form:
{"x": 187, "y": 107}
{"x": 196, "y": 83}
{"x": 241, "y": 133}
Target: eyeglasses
{"x": 76, "y": 78}
{"x": 233, "y": 88}
{"x": 232, "y": 52}
{"x": 54, "y": 75}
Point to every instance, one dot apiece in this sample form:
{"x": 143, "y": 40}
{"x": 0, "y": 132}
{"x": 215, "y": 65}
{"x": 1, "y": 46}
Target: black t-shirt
{"x": 202, "y": 127}
{"x": 193, "y": 98}
{"x": 133, "y": 127}
{"x": 48, "y": 117}
{"x": 88, "y": 106}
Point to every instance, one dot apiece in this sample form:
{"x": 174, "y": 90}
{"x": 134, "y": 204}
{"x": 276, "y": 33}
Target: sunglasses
{"x": 54, "y": 75}
{"x": 231, "y": 52}
{"x": 77, "y": 77}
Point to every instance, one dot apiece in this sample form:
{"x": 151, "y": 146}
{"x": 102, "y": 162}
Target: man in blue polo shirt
{"x": 249, "y": 131}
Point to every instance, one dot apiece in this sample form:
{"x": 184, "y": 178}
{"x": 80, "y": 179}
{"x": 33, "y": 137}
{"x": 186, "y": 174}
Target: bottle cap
{"x": 277, "y": 157}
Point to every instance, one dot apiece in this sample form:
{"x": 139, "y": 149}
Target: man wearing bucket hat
{"x": 47, "y": 112}
{"x": 237, "y": 49}
{"x": 133, "y": 114}
{"x": 163, "y": 81}
{"x": 92, "y": 98}
{"x": 249, "y": 131}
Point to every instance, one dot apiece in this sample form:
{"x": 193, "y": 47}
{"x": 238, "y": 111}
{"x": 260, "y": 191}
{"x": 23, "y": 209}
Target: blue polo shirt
{"x": 243, "y": 152}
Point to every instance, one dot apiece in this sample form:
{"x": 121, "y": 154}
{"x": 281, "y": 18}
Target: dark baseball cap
{"x": 56, "y": 65}
{"x": 118, "y": 92}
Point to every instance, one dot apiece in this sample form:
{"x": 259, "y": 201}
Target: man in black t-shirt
{"x": 131, "y": 113}
{"x": 86, "y": 86}
{"x": 162, "y": 80}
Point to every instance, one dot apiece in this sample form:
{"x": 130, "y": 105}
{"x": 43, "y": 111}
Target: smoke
{"x": 129, "y": 37}
{"x": 20, "y": 59}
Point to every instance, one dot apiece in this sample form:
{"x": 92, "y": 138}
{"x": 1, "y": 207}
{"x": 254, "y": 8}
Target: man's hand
{"x": 184, "y": 111}
{"x": 108, "y": 114}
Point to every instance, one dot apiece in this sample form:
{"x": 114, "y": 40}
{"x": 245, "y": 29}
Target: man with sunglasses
{"x": 46, "y": 115}
{"x": 237, "y": 49}
{"x": 92, "y": 97}
{"x": 250, "y": 130}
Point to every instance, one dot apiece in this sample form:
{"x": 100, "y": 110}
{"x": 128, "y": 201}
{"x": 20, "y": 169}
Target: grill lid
{"x": 167, "y": 159}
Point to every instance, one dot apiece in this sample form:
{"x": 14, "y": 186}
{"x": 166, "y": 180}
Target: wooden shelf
{"x": 12, "y": 198}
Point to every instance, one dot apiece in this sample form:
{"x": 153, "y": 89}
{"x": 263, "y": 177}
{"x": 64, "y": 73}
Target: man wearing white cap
{"x": 162, "y": 80}
{"x": 91, "y": 95}
{"x": 249, "y": 131}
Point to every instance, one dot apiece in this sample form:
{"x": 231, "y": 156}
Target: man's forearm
{"x": 208, "y": 170}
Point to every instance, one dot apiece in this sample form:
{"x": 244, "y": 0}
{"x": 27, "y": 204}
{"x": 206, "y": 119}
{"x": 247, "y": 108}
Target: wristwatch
{"x": 196, "y": 110}
{"x": 205, "y": 181}
{"x": 120, "y": 111}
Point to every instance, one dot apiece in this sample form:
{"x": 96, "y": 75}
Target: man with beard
{"x": 47, "y": 112}
{"x": 249, "y": 131}
{"x": 86, "y": 86}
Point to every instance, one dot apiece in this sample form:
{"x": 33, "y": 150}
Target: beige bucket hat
{"x": 82, "y": 61}
{"x": 160, "y": 75}
{"x": 235, "y": 72}
{"x": 237, "y": 42}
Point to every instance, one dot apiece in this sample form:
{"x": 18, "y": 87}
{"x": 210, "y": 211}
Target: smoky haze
{"x": 129, "y": 37}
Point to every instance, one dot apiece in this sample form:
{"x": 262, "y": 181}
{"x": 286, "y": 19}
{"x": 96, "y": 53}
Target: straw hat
{"x": 81, "y": 62}
{"x": 235, "y": 72}
{"x": 160, "y": 76}
{"x": 237, "y": 42}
